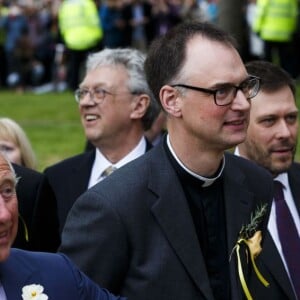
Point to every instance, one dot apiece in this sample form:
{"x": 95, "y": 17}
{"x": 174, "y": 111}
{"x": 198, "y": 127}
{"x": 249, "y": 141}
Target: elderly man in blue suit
{"x": 33, "y": 275}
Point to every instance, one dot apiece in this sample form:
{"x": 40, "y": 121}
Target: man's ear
{"x": 140, "y": 105}
{"x": 170, "y": 100}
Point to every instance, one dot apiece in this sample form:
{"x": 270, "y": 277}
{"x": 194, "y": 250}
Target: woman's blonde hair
{"x": 13, "y": 132}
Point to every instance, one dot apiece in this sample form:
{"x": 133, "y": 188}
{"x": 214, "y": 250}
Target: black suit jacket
{"x": 133, "y": 232}
{"x": 27, "y": 191}
{"x": 43, "y": 235}
{"x": 270, "y": 262}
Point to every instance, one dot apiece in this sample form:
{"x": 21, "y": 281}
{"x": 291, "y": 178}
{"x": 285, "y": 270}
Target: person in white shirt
{"x": 116, "y": 107}
{"x": 271, "y": 143}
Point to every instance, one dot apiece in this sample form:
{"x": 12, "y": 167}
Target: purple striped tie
{"x": 288, "y": 235}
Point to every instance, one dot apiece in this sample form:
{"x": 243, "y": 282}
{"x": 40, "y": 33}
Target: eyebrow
{"x": 95, "y": 86}
{"x": 221, "y": 84}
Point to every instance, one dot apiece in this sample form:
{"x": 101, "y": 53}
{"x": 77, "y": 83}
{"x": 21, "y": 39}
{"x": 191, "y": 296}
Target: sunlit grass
{"x": 50, "y": 120}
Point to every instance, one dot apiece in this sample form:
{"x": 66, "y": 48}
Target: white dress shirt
{"x": 2, "y": 292}
{"x": 101, "y": 163}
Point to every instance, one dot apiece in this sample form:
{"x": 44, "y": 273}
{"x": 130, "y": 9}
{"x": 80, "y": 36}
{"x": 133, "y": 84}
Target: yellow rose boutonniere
{"x": 251, "y": 237}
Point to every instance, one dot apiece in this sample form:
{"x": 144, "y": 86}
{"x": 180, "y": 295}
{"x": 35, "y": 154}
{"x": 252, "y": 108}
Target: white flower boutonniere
{"x": 251, "y": 237}
{"x": 33, "y": 292}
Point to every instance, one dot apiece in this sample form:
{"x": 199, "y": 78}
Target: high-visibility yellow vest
{"x": 276, "y": 20}
{"x": 79, "y": 24}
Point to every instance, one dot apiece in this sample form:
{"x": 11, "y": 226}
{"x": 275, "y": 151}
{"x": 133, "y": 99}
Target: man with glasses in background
{"x": 116, "y": 107}
{"x": 163, "y": 226}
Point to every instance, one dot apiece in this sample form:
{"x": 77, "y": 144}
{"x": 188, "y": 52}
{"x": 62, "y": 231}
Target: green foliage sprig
{"x": 247, "y": 231}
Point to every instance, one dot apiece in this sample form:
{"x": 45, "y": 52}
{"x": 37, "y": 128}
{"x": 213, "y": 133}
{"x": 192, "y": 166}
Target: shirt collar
{"x": 237, "y": 151}
{"x": 102, "y": 162}
{"x": 207, "y": 180}
{"x": 283, "y": 178}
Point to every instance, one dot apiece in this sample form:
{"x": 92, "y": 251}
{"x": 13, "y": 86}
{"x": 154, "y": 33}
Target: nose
{"x": 240, "y": 102}
{"x": 283, "y": 130}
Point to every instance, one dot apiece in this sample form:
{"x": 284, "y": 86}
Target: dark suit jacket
{"x": 69, "y": 178}
{"x": 270, "y": 262}
{"x": 27, "y": 191}
{"x": 43, "y": 235}
{"x": 59, "y": 277}
{"x": 133, "y": 232}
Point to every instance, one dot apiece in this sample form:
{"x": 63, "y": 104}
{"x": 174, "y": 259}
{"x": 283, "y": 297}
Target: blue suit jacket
{"x": 55, "y": 272}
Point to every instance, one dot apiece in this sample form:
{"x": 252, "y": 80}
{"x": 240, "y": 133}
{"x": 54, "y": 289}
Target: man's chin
{"x": 281, "y": 167}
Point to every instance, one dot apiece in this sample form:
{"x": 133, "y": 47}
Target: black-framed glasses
{"x": 225, "y": 94}
{"x": 97, "y": 94}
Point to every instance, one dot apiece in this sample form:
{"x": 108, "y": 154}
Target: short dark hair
{"x": 272, "y": 76}
{"x": 167, "y": 54}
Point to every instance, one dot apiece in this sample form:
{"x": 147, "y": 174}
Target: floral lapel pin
{"x": 33, "y": 292}
{"x": 250, "y": 237}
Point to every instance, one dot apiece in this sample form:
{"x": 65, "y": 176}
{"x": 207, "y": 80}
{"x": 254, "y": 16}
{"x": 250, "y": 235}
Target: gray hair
{"x": 133, "y": 60}
{"x": 6, "y": 160}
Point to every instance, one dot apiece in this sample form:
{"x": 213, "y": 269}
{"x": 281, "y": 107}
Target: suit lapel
{"x": 237, "y": 209}
{"x": 149, "y": 146}
{"x": 173, "y": 215}
{"x": 81, "y": 175}
{"x": 272, "y": 260}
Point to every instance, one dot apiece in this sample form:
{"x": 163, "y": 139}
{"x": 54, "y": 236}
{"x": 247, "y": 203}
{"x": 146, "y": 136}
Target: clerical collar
{"x": 207, "y": 181}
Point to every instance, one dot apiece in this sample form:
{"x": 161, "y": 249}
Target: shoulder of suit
{"x": 23, "y": 171}
{"x": 248, "y": 167}
{"x": 35, "y": 259}
{"x": 70, "y": 161}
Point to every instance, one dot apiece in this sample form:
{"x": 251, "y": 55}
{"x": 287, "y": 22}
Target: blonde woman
{"x": 15, "y": 144}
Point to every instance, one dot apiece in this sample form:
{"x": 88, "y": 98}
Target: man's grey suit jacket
{"x": 133, "y": 232}
{"x": 68, "y": 179}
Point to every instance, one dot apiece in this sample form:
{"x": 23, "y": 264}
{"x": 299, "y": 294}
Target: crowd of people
{"x": 158, "y": 206}
{"x": 44, "y": 43}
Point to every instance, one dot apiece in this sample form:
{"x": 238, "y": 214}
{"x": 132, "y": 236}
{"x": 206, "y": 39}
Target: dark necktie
{"x": 288, "y": 235}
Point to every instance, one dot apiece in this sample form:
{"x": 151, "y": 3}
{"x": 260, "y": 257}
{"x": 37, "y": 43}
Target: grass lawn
{"x": 52, "y": 123}
{"x": 50, "y": 120}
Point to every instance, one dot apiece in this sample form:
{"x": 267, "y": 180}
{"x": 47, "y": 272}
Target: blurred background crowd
{"x": 43, "y": 43}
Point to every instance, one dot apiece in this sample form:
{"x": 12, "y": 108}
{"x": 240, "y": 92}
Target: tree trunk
{"x": 232, "y": 19}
